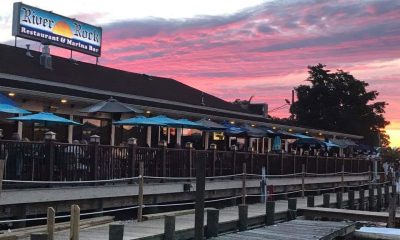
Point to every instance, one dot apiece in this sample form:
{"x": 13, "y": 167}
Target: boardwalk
{"x": 295, "y": 230}
{"x": 153, "y": 229}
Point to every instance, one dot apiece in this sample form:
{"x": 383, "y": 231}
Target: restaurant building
{"x": 66, "y": 86}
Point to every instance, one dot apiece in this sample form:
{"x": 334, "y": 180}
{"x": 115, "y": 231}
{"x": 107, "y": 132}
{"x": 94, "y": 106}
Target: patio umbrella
{"x": 6, "y": 108}
{"x": 276, "y": 146}
{"x": 9, "y": 106}
{"x": 111, "y": 105}
{"x": 254, "y": 132}
{"x": 45, "y": 117}
{"x": 211, "y": 126}
{"x": 140, "y": 121}
{"x": 233, "y": 129}
{"x": 184, "y": 123}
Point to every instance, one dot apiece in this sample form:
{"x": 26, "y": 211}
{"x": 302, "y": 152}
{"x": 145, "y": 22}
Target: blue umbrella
{"x": 184, "y": 123}
{"x": 6, "y": 108}
{"x": 45, "y": 117}
{"x": 233, "y": 129}
{"x": 140, "y": 120}
{"x": 9, "y": 106}
{"x": 211, "y": 126}
{"x": 164, "y": 120}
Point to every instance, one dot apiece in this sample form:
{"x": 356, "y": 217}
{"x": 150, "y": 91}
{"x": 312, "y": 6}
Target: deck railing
{"x": 54, "y": 161}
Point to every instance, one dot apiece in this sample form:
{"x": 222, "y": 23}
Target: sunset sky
{"x": 236, "y": 49}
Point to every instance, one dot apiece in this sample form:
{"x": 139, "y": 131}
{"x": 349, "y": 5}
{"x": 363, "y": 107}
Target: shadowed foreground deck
{"x": 295, "y": 230}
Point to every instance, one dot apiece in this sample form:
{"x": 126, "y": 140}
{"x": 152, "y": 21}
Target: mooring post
{"x": 169, "y": 227}
{"x": 371, "y": 197}
{"x": 39, "y": 236}
{"x": 212, "y": 223}
{"x": 116, "y": 232}
{"x": 50, "y": 222}
{"x": 339, "y": 200}
{"x": 361, "y": 205}
{"x": 243, "y": 215}
{"x": 303, "y": 175}
{"x": 326, "y": 200}
{"x": 270, "y": 213}
{"x": 392, "y": 211}
{"x": 74, "y": 222}
{"x": 379, "y": 198}
{"x": 351, "y": 199}
{"x": 140, "y": 195}
{"x": 292, "y": 209}
{"x": 244, "y": 184}
{"x": 200, "y": 192}
{"x": 310, "y": 201}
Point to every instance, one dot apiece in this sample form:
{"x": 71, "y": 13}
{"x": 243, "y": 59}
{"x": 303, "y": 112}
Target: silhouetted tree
{"x": 339, "y": 102}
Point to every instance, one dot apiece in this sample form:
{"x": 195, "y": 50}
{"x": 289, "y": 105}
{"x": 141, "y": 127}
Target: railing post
{"x": 140, "y": 192}
{"x": 94, "y": 156}
{"x": 39, "y": 236}
{"x": 379, "y": 198}
{"x": 351, "y": 199}
{"x": 234, "y": 156}
{"x": 213, "y": 147}
{"x": 339, "y": 200}
{"x": 361, "y": 205}
{"x": 251, "y": 150}
{"x": 342, "y": 177}
{"x": 371, "y": 197}
{"x": 189, "y": 147}
{"x": 243, "y": 217}
{"x": 292, "y": 209}
{"x": 50, "y": 222}
{"x": 163, "y": 145}
{"x": 326, "y": 200}
{"x": 1, "y": 174}
{"x": 132, "y": 148}
{"x": 49, "y": 139}
{"x": 244, "y": 184}
{"x": 387, "y": 195}
{"x": 282, "y": 163}
{"x": 74, "y": 223}
{"x": 200, "y": 192}
{"x": 294, "y": 163}
{"x": 303, "y": 175}
{"x": 392, "y": 210}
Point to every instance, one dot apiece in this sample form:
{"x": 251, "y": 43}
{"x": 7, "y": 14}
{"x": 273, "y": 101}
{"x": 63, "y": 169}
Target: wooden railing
{"x": 53, "y": 161}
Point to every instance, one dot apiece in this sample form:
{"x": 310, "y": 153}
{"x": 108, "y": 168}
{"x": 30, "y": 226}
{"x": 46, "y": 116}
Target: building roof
{"x": 14, "y": 61}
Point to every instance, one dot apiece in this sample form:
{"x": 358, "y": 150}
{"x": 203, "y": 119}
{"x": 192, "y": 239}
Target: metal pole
{"x": 140, "y": 196}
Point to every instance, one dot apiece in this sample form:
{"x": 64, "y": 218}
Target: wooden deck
{"x": 295, "y": 230}
{"x": 154, "y": 229}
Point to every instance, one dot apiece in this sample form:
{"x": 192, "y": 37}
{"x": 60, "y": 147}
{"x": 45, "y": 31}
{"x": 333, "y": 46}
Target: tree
{"x": 391, "y": 155}
{"x": 339, "y": 102}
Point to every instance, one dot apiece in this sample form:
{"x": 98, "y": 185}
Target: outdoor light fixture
{"x": 11, "y": 94}
{"x": 148, "y": 112}
{"x": 253, "y": 125}
{"x": 64, "y": 100}
{"x": 274, "y": 127}
{"x": 290, "y": 129}
{"x": 320, "y": 133}
{"x": 232, "y": 122}
{"x": 306, "y": 132}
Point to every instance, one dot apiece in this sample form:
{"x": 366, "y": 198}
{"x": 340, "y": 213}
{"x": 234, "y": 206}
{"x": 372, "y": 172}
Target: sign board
{"x": 50, "y": 28}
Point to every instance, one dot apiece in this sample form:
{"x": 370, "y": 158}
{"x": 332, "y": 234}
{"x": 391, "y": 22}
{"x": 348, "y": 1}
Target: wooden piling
{"x": 169, "y": 227}
{"x": 243, "y": 216}
{"x": 361, "y": 205}
{"x": 270, "y": 213}
{"x": 39, "y": 236}
{"x": 392, "y": 211}
{"x": 140, "y": 193}
{"x": 351, "y": 199}
{"x": 200, "y": 192}
{"x": 244, "y": 184}
{"x": 326, "y": 199}
{"x": 212, "y": 223}
{"x": 50, "y": 222}
{"x": 116, "y": 232}
{"x": 339, "y": 200}
{"x": 74, "y": 223}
